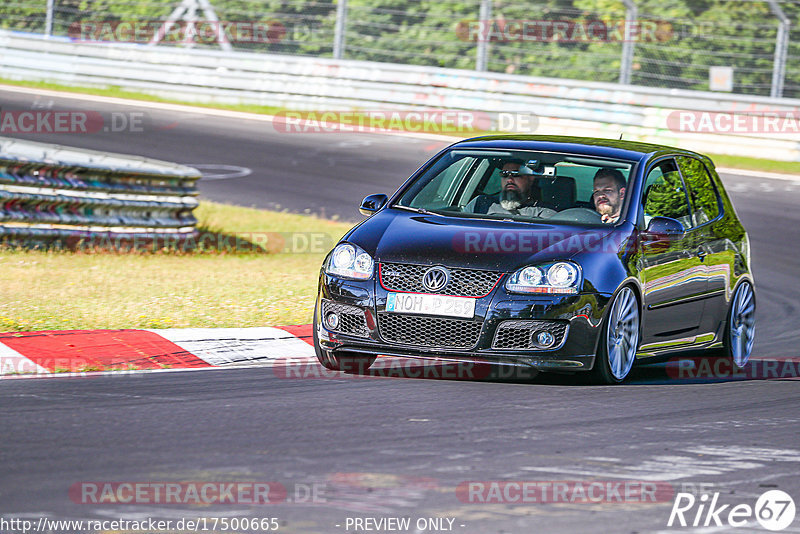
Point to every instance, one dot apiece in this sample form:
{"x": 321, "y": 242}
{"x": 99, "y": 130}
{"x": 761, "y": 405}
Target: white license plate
{"x": 430, "y": 304}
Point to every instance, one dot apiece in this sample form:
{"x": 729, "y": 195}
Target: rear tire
{"x": 740, "y": 328}
{"x": 342, "y": 361}
{"x": 619, "y": 339}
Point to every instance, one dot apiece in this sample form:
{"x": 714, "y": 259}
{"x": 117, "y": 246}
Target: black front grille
{"x": 463, "y": 282}
{"x": 518, "y": 335}
{"x": 429, "y": 331}
{"x": 351, "y": 318}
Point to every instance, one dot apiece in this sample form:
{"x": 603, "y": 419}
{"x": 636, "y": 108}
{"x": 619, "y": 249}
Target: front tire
{"x": 619, "y": 339}
{"x": 339, "y": 362}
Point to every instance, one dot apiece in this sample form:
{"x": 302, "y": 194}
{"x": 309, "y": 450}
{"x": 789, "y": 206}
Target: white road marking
{"x": 185, "y": 108}
{"x": 761, "y": 187}
{"x": 700, "y": 461}
{"x": 214, "y": 171}
{"x": 708, "y": 530}
{"x": 759, "y": 174}
{"x": 714, "y": 426}
{"x": 143, "y": 513}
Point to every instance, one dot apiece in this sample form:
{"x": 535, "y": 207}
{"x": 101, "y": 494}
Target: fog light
{"x": 332, "y": 320}
{"x": 545, "y": 339}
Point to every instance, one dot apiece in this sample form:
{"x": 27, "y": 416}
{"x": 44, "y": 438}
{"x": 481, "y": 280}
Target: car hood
{"x": 394, "y": 235}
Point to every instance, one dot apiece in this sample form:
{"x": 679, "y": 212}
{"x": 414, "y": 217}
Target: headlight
{"x": 349, "y": 261}
{"x": 561, "y": 277}
{"x": 530, "y": 276}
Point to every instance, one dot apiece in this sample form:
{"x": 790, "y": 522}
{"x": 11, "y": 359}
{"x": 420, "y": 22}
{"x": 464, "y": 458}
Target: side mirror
{"x": 372, "y": 203}
{"x": 664, "y": 229}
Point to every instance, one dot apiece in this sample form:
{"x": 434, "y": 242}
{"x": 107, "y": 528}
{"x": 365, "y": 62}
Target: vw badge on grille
{"x": 435, "y": 278}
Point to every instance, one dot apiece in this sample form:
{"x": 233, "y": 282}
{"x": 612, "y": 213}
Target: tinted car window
{"x": 440, "y": 190}
{"x": 665, "y": 195}
{"x": 702, "y": 193}
{"x": 470, "y": 183}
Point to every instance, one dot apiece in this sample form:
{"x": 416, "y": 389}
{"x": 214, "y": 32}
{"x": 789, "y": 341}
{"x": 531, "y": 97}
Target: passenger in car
{"x": 519, "y": 195}
{"x": 608, "y": 194}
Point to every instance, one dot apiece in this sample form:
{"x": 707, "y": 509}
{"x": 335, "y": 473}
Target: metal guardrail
{"x": 564, "y": 107}
{"x": 56, "y": 195}
{"x": 629, "y": 41}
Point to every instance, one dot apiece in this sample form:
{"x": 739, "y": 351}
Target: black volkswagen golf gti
{"x": 556, "y": 253}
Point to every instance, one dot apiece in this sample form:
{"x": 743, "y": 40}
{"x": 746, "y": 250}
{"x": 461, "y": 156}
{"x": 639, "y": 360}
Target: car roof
{"x": 588, "y": 146}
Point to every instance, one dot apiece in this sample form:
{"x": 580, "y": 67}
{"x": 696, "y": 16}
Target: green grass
{"x": 756, "y": 164}
{"x": 44, "y": 290}
{"x": 118, "y": 92}
{"x": 721, "y": 160}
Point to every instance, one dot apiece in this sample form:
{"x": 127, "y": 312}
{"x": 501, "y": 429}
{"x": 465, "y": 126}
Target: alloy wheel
{"x": 622, "y": 334}
{"x": 741, "y": 332}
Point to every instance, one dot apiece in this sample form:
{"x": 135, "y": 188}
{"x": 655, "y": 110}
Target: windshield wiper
{"x": 415, "y": 210}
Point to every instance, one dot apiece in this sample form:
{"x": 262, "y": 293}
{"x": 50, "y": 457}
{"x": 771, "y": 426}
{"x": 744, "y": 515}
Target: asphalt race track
{"x": 323, "y": 173}
{"x": 383, "y": 447}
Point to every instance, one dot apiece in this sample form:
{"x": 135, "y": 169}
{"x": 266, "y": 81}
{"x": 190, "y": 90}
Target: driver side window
{"x": 442, "y": 188}
{"x": 665, "y": 194}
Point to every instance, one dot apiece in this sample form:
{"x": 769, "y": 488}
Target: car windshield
{"x": 521, "y": 185}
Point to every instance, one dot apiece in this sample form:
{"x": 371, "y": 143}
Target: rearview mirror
{"x": 533, "y": 167}
{"x": 372, "y": 203}
{"x": 537, "y": 167}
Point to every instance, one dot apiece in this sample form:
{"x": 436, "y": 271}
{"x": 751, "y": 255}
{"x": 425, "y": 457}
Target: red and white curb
{"x": 289, "y": 349}
{"x": 64, "y": 353}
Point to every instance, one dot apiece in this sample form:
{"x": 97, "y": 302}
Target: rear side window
{"x": 664, "y": 194}
{"x": 702, "y": 193}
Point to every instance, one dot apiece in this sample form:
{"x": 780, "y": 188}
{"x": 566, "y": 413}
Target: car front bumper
{"x": 579, "y": 316}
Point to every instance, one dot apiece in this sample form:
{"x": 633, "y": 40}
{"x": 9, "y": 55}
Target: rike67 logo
{"x": 774, "y": 510}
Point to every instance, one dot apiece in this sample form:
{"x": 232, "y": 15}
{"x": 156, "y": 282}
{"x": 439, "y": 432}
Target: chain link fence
{"x": 652, "y": 43}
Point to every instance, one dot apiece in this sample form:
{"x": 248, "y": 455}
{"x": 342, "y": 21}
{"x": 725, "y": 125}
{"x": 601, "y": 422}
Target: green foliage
{"x": 701, "y": 191}
{"x": 666, "y": 198}
{"x": 681, "y": 39}
{"x": 24, "y": 16}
